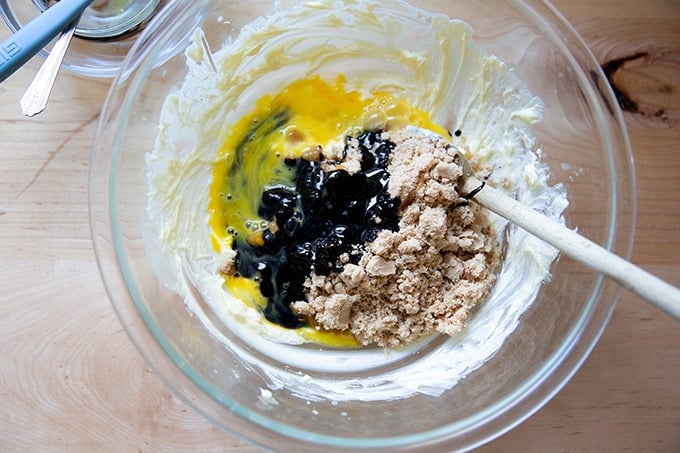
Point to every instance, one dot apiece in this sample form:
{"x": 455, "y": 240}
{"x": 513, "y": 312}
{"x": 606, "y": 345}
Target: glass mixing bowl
{"x": 583, "y": 141}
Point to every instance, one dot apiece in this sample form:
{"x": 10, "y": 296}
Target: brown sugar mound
{"x": 427, "y": 277}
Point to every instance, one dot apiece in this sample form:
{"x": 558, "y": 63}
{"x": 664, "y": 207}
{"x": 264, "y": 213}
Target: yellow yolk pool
{"x": 306, "y": 114}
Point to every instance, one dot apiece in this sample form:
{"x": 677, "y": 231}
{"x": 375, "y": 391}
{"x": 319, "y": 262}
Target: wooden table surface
{"x": 70, "y": 380}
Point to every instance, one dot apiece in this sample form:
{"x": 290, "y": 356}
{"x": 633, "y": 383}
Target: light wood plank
{"x": 71, "y": 380}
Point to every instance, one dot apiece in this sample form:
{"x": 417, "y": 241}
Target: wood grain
{"x": 70, "y": 380}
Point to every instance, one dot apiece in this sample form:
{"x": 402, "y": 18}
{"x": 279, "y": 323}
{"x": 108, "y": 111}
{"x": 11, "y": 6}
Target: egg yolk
{"x": 307, "y": 114}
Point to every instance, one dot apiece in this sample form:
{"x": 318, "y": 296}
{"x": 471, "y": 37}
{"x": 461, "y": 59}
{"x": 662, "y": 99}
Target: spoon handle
{"x": 35, "y": 99}
{"x": 649, "y": 287}
{"x": 28, "y": 40}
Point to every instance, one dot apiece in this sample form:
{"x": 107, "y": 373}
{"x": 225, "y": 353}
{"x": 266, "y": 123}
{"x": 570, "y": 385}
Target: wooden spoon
{"x": 649, "y": 287}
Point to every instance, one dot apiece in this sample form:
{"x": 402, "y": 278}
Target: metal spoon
{"x": 100, "y": 19}
{"x": 35, "y": 99}
{"x": 104, "y": 19}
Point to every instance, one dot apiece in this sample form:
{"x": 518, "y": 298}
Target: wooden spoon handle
{"x": 647, "y": 286}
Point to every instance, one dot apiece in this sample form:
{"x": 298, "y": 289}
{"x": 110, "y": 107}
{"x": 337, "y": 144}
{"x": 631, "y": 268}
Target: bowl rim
{"x": 524, "y": 401}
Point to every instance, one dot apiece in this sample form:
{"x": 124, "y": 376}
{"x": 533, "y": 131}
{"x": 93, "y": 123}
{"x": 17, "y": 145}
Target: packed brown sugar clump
{"x": 427, "y": 277}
